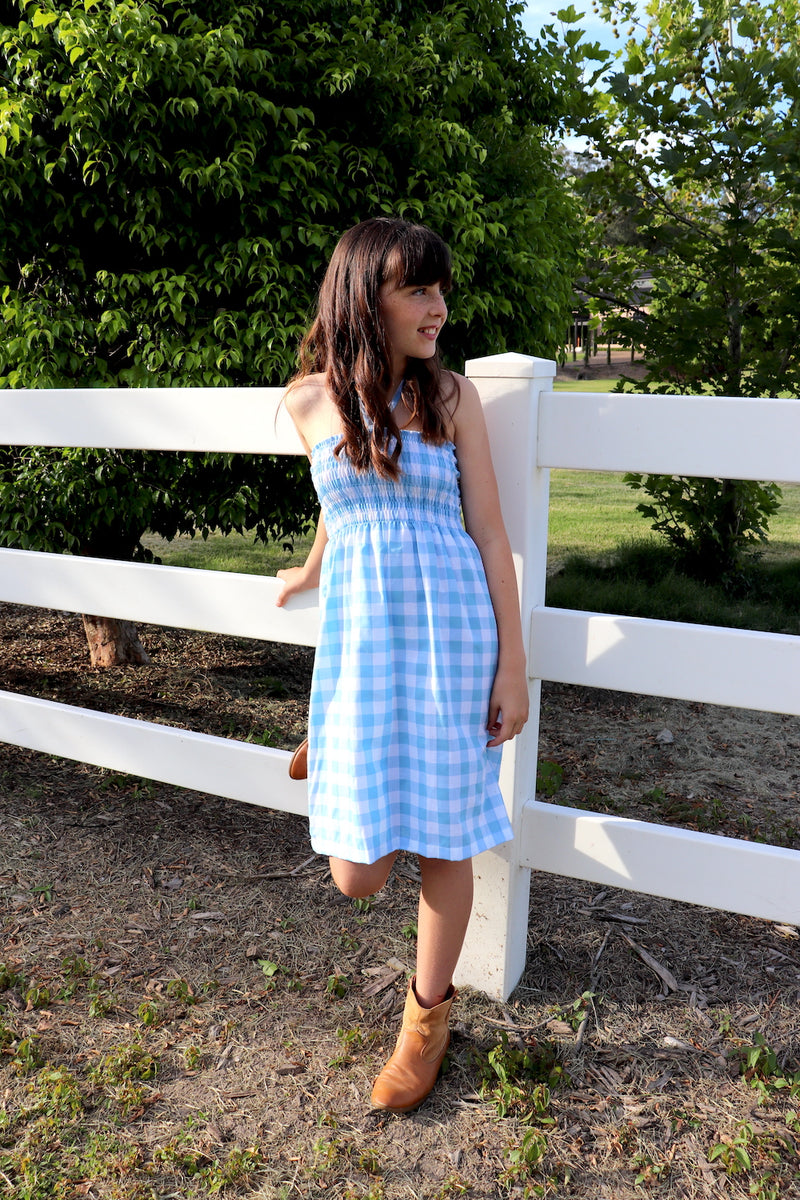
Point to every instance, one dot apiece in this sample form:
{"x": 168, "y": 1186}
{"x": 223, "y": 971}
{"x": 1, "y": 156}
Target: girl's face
{"x": 413, "y": 316}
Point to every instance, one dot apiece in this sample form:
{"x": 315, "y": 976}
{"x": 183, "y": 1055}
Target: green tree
{"x": 696, "y": 143}
{"x": 175, "y": 176}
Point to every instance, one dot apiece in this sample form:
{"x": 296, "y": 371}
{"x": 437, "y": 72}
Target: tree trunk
{"x": 113, "y": 643}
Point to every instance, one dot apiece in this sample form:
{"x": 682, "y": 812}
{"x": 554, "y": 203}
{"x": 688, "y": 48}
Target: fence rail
{"x": 531, "y": 429}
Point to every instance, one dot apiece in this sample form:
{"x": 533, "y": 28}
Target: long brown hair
{"x": 347, "y": 340}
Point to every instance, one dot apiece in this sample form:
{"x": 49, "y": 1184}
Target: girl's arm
{"x": 508, "y": 703}
{"x": 304, "y": 401}
{"x": 301, "y": 579}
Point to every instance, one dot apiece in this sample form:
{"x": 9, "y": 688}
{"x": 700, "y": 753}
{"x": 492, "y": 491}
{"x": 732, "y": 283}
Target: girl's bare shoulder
{"x": 460, "y": 398}
{"x": 312, "y": 408}
{"x": 304, "y": 397}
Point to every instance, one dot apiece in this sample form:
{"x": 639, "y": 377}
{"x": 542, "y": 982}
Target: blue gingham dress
{"x": 404, "y": 667}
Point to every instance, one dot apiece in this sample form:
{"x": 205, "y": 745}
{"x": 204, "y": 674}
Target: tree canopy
{"x": 697, "y": 157}
{"x": 175, "y": 175}
{"x": 187, "y": 168}
{"x": 692, "y": 178}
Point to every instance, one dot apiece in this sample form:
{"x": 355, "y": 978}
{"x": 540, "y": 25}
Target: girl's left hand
{"x": 508, "y": 705}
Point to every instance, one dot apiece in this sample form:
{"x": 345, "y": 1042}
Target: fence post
{"x": 493, "y": 958}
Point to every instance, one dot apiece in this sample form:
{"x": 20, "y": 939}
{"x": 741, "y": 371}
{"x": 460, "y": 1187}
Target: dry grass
{"x": 191, "y": 1008}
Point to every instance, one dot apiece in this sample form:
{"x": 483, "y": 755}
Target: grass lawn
{"x": 591, "y": 512}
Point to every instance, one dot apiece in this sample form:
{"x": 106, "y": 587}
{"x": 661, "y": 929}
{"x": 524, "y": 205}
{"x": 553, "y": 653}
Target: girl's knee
{"x": 359, "y": 880}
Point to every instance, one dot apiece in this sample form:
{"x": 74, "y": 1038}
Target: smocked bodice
{"x": 426, "y": 491}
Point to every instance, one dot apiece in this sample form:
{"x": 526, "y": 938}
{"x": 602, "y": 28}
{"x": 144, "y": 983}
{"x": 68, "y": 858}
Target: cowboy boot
{"x": 411, "y": 1072}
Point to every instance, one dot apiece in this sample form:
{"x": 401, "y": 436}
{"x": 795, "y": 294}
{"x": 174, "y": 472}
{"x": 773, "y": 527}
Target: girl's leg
{"x": 445, "y": 904}
{"x": 361, "y": 879}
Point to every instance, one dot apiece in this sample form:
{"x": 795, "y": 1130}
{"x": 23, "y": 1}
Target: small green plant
{"x": 734, "y": 1153}
{"x": 351, "y": 1039}
{"x": 452, "y": 1186}
{"x": 577, "y": 1011}
{"x": 369, "y": 1161}
{"x": 27, "y": 1056}
{"x": 191, "y": 1058}
{"x": 100, "y": 1002}
{"x": 9, "y": 978}
{"x": 337, "y": 986}
{"x": 272, "y": 972}
{"x": 75, "y": 970}
{"x": 181, "y": 992}
{"x": 37, "y": 996}
{"x": 270, "y": 685}
{"x": 106, "y": 1156}
{"x": 269, "y": 737}
{"x": 649, "y": 1170}
{"x": 55, "y": 1092}
{"x": 524, "y": 1158}
{"x": 124, "y": 1076}
{"x": 237, "y": 1171}
{"x": 363, "y": 904}
{"x": 549, "y": 777}
{"x": 150, "y": 1013}
{"x": 409, "y": 931}
{"x": 518, "y": 1080}
{"x": 327, "y": 1153}
{"x": 760, "y": 1067}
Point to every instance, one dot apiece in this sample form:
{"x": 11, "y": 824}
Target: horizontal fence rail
{"x": 227, "y": 420}
{"x": 736, "y": 667}
{"x": 708, "y": 436}
{"x": 180, "y": 597}
{"x": 531, "y": 429}
{"x": 219, "y": 766}
{"x": 677, "y": 864}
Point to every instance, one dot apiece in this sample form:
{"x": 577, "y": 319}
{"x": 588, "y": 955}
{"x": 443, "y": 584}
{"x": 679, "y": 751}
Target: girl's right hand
{"x": 295, "y": 580}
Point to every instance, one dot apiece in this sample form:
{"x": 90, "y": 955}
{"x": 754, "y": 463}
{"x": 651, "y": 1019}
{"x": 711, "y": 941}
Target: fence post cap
{"x": 510, "y": 366}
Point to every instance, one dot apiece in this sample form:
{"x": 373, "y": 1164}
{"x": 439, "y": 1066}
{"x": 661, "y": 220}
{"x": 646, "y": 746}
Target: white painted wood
{"x": 493, "y": 957}
{"x": 218, "y": 766}
{"x": 679, "y": 864}
{"x": 231, "y": 420}
{"x": 673, "y": 435}
{"x": 180, "y": 597}
{"x": 738, "y": 667}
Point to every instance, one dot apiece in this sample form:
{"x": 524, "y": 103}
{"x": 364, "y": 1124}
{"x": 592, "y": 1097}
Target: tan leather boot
{"x": 411, "y": 1072}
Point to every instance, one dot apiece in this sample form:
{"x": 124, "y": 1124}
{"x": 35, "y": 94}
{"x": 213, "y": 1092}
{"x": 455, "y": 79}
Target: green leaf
{"x": 43, "y": 18}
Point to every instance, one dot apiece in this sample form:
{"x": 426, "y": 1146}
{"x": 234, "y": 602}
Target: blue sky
{"x": 539, "y": 13}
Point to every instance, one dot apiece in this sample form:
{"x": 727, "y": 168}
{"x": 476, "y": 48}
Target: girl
{"x": 419, "y": 675}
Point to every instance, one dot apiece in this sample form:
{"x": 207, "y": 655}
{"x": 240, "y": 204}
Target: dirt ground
{"x": 651, "y": 1048}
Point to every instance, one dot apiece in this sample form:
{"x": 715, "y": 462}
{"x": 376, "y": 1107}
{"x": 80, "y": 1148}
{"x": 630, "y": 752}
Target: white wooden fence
{"x": 532, "y": 429}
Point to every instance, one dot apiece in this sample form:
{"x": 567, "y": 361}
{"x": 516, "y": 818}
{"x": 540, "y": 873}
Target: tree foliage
{"x": 696, "y": 160}
{"x": 175, "y": 175}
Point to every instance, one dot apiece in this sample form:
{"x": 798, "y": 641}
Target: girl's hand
{"x": 508, "y": 705}
{"x": 295, "y": 580}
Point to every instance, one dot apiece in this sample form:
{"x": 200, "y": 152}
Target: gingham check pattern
{"x": 404, "y": 667}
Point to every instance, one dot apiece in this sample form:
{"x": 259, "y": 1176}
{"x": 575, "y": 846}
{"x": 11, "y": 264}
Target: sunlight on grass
{"x": 583, "y": 385}
{"x": 591, "y": 514}
{"x": 234, "y": 552}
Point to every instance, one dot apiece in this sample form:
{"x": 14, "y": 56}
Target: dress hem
{"x": 409, "y": 847}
